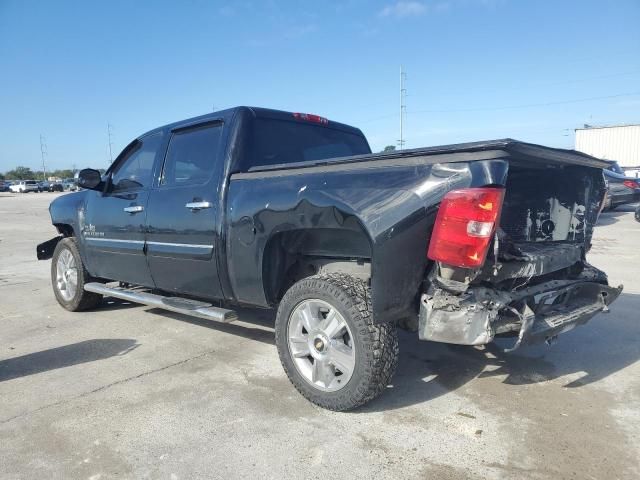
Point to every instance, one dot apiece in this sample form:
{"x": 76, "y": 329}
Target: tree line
{"x": 25, "y": 173}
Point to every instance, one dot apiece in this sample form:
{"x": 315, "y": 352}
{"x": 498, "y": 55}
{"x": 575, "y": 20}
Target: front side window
{"x": 135, "y": 171}
{"x": 191, "y": 156}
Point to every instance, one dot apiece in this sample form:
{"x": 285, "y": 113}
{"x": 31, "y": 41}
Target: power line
{"x": 524, "y": 85}
{"x": 507, "y": 107}
{"x": 529, "y": 105}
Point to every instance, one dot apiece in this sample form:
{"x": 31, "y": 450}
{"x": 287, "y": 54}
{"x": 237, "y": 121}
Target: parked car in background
{"x": 621, "y": 189}
{"x": 50, "y": 187}
{"x": 69, "y": 184}
{"x": 5, "y": 186}
{"x": 24, "y": 186}
{"x": 56, "y": 187}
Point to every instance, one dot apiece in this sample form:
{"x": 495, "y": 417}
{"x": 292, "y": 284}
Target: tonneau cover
{"x": 513, "y": 148}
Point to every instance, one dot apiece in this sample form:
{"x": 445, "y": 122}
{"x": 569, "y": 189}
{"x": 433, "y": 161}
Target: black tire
{"x": 637, "y": 214}
{"x": 82, "y": 300}
{"x": 376, "y": 345}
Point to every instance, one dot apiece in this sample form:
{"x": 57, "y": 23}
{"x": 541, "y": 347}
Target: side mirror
{"x": 90, "y": 179}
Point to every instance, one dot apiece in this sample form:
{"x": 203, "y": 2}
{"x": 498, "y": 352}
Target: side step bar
{"x": 173, "y": 304}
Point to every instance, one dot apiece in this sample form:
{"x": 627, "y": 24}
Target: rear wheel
{"x": 68, "y": 277}
{"x": 331, "y": 350}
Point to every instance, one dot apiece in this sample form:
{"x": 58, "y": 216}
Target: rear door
{"x": 183, "y": 213}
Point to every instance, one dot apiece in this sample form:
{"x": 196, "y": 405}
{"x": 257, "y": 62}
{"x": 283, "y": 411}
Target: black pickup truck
{"x": 257, "y": 207}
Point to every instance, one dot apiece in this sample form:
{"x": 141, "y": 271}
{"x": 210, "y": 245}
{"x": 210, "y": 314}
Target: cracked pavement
{"x": 128, "y": 391}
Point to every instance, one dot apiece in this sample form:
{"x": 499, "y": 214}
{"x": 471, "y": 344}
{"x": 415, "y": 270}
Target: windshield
{"x": 277, "y": 142}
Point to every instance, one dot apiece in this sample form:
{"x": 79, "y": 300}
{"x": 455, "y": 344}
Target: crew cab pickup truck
{"x": 256, "y": 207}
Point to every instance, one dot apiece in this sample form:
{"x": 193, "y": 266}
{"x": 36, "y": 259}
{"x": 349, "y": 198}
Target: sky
{"x": 475, "y": 69}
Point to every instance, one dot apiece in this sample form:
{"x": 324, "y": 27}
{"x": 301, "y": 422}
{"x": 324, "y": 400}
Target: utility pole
{"x": 43, "y": 151}
{"x": 403, "y": 106}
{"x": 110, "y": 143}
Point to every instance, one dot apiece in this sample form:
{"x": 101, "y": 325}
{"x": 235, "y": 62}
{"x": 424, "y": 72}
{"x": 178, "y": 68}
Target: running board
{"x": 186, "y": 306}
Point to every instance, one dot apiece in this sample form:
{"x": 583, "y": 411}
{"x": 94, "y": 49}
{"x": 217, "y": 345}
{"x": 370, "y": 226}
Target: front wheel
{"x": 68, "y": 277}
{"x": 329, "y": 346}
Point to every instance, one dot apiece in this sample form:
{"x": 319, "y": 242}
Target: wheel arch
{"x": 295, "y": 254}
{"x": 65, "y": 229}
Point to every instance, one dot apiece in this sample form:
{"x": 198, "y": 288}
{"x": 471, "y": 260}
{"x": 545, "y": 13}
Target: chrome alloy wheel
{"x": 321, "y": 345}
{"x": 66, "y": 275}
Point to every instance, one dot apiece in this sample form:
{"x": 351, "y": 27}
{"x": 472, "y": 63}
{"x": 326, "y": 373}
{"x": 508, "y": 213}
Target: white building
{"x": 620, "y": 143}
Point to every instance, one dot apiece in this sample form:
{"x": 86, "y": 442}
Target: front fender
{"x": 64, "y": 210}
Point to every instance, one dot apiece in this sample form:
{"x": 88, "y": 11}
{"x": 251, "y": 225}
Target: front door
{"x": 183, "y": 212}
{"x": 113, "y": 227}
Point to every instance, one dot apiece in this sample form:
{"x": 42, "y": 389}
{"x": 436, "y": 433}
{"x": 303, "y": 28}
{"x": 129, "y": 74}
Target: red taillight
{"x": 310, "y": 117}
{"x": 464, "y": 226}
{"x": 631, "y": 184}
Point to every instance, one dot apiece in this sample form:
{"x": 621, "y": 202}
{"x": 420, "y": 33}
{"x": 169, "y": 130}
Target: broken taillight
{"x": 631, "y": 184}
{"x": 465, "y": 223}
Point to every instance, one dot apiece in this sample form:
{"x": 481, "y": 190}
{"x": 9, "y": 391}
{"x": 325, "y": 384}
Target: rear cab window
{"x": 281, "y": 142}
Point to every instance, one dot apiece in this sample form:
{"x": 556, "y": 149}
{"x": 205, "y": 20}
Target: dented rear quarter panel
{"x": 393, "y": 199}
{"x": 393, "y": 203}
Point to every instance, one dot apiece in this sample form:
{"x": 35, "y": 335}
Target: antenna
{"x": 110, "y": 142}
{"x": 403, "y": 106}
{"x": 43, "y": 152}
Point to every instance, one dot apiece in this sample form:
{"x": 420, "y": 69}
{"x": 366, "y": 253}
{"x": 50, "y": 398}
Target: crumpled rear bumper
{"x": 537, "y": 313}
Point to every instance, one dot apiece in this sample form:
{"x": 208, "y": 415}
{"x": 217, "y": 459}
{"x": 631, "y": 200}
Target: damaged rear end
{"x": 510, "y": 259}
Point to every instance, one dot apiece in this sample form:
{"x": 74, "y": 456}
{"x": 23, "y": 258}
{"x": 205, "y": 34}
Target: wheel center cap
{"x": 319, "y": 345}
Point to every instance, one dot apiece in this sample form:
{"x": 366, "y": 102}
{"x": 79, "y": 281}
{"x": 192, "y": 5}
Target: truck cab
{"x": 157, "y": 218}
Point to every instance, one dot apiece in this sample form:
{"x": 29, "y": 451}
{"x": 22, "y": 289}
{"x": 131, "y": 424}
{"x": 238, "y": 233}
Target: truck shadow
{"x": 66, "y": 356}
{"x": 611, "y": 217}
{"x": 263, "y": 319}
{"x": 110, "y": 303}
{"x": 585, "y": 355}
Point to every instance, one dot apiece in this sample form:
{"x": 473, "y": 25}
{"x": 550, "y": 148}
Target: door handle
{"x": 134, "y": 209}
{"x": 194, "y": 206}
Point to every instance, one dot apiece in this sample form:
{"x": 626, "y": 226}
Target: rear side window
{"x": 278, "y": 142}
{"x": 192, "y": 155}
